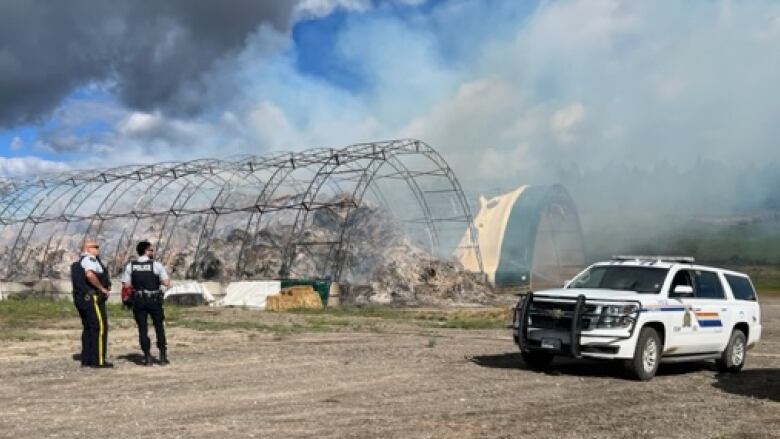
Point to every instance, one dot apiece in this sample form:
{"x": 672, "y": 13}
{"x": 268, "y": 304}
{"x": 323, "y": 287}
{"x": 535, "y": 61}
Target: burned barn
{"x": 389, "y": 210}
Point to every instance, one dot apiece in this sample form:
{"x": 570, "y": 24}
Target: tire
{"x": 537, "y": 360}
{"x": 647, "y": 355}
{"x": 733, "y": 357}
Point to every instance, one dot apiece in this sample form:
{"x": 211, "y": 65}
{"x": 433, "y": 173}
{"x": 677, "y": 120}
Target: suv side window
{"x": 682, "y": 277}
{"x": 741, "y": 287}
{"x": 707, "y": 285}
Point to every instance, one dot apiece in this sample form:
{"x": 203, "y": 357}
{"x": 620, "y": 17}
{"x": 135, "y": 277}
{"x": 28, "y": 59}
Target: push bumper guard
{"x": 523, "y": 309}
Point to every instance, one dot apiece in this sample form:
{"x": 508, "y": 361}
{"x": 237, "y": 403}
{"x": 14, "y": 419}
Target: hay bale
{"x": 293, "y": 297}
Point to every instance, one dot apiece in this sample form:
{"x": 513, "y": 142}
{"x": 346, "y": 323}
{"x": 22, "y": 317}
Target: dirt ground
{"x": 383, "y": 379}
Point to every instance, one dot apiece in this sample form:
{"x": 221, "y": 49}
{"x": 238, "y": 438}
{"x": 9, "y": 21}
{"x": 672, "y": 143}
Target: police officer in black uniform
{"x": 91, "y": 288}
{"x": 146, "y": 275}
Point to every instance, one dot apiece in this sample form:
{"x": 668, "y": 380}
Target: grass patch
{"x": 33, "y": 311}
{"x": 20, "y": 316}
{"x": 458, "y": 323}
{"x": 279, "y": 329}
{"x": 18, "y": 312}
{"x": 325, "y": 321}
{"x": 19, "y": 335}
{"x": 215, "y": 325}
{"x": 382, "y": 312}
{"x": 480, "y": 318}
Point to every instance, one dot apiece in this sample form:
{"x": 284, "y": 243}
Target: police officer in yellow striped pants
{"x": 91, "y": 288}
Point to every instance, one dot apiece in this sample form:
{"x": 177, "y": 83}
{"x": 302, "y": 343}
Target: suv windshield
{"x": 613, "y": 277}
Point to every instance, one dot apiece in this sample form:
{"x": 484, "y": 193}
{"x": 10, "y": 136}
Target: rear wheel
{"x": 647, "y": 355}
{"x": 733, "y": 357}
{"x": 537, "y": 360}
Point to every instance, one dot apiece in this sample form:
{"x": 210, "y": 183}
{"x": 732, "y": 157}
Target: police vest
{"x": 78, "y": 277}
{"x": 142, "y": 276}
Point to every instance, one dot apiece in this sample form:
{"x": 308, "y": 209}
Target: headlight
{"x": 618, "y": 310}
{"x": 616, "y": 316}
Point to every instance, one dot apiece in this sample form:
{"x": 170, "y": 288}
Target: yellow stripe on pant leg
{"x": 100, "y": 330}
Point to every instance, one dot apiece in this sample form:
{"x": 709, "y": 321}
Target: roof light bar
{"x": 676, "y": 259}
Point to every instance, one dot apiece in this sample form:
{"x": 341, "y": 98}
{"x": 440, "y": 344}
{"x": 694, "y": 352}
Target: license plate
{"x": 551, "y": 343}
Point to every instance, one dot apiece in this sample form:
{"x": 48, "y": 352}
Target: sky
{"x": 508, "y": 91}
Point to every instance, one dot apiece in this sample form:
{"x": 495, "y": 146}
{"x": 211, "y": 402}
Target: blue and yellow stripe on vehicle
{"x": 663, "y": 309}
{"x": 708, "y": 319}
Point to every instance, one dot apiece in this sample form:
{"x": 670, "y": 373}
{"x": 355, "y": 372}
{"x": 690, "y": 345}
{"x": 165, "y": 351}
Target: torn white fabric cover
{"x": 250, "y": 293}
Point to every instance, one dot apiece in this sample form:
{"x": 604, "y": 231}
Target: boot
{"x": 164, "y": 357}
{"x": 147, "y": 361}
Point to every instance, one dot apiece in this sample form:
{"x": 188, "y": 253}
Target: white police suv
{"x": 645, "y": 310}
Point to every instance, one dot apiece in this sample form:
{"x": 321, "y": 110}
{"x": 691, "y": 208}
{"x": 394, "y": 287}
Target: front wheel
{"x": 537, "y": 360}
{"x": 647, "y": 355}
{"x": 733, "y": 357}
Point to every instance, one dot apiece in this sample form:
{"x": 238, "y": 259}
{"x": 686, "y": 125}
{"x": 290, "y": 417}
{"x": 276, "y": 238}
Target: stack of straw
{"x": 293, "y": 297}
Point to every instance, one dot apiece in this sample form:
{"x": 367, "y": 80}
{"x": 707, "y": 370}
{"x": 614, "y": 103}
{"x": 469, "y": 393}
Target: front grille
{"x": 537, "y": 321}
{"x": 539, "y": 306}
{"x": 555, "y": 315}
{"x": 550, "y": 315}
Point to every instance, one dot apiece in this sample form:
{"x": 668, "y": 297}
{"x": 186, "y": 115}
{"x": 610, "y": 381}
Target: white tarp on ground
{"x": 250, "y": 293}
{"x": 190, "y": 289}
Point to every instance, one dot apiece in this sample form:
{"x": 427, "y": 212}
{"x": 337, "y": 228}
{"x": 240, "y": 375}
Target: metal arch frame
{"x": 13, "y": 255}
{"x": 9, "y": 257}
{"x": 89, "y": 226}
{"x": 150, "y": 200}
{"x": 337, "y": 255}
{"x": 144, "y": 197}
{"x": 356, "y": 152}
{"x": 329, "y": 166}
{"x": 210, "y": 224}
{"x": 99, "y": 215}
{"x": 302, "y": 160}
{"x": 437, "y": 158}
{"x": 147, "y": 199}
{"x": 193, "y": 186}
{"x": 75, "y": 209}
{"x": 278, "y": 176}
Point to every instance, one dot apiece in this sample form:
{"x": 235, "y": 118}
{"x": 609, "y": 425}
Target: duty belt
{"x": 148, "y": 293}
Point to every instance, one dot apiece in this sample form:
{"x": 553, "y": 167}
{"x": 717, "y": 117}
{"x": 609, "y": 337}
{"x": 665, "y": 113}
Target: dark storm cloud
{"x": 156, "y": 52}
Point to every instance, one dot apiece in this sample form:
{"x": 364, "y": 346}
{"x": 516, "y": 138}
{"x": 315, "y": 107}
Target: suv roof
{"x": 664, "y": 262}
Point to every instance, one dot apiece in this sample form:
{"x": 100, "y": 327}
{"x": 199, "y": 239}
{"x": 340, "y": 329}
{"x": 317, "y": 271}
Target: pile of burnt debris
{"x": 381, "y": 264}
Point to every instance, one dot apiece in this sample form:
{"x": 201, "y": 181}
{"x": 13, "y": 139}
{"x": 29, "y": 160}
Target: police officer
{"x": 145, "y": 275}
{"x": 91, "y": 288}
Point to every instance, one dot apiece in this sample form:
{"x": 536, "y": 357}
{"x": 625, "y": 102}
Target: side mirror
{"x": 566, "y": 284}
{"x": 683, "y": 290}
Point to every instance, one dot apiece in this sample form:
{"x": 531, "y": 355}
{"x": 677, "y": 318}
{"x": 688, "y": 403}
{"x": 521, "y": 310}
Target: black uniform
{"x": 91, "y": 305}
{"x": 147, "y": 301}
